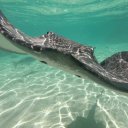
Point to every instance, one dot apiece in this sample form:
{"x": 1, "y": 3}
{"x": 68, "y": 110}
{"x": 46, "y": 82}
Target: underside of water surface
{"x": 35, "y": 95}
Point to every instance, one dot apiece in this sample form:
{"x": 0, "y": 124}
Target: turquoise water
{"x": 34, "y": 95}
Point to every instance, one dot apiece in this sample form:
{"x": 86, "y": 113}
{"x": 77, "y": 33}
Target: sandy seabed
{"x": 34, "y": 95}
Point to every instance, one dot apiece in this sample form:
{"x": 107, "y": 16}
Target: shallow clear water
{"x": 34, "y": 95}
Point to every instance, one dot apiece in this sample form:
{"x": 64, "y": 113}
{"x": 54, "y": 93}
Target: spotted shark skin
{"x": 68, "y": 55}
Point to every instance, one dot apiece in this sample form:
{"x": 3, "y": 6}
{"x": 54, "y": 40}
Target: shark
{"x": 68, "y": 55}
